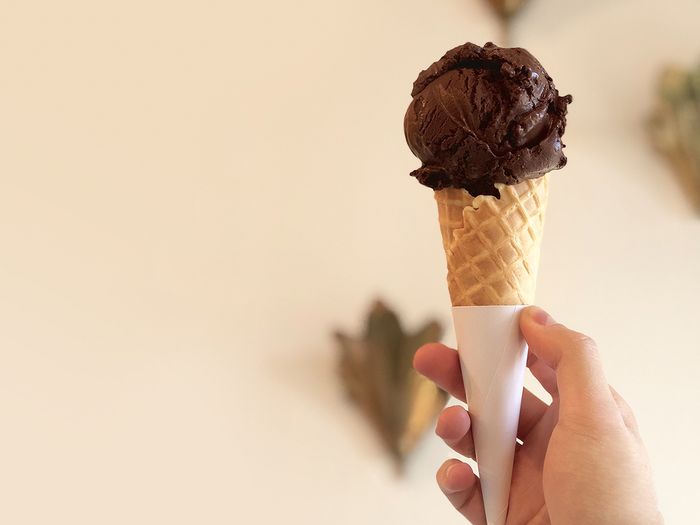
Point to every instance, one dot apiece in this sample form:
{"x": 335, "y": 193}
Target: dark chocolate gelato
{"x": 482, "y": 115}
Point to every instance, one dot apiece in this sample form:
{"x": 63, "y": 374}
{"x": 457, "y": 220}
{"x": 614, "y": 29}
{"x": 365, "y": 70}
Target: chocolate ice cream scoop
{"x": 482, "y": 115}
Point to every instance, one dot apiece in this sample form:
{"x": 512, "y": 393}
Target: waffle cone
{"x": 492, "y": 245}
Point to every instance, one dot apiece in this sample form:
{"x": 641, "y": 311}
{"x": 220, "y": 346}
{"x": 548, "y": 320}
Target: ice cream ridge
{"x": 487, "y": 124}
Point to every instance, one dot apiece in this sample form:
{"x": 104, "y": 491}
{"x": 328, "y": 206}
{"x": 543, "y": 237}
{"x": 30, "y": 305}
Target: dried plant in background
{"x": 675, "y": 126}
{"x": 376, "y": 369}
{"x": 506, "y": 10}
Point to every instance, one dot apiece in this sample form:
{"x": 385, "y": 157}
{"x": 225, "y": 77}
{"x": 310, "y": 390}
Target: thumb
{"x": 583, "y": 389}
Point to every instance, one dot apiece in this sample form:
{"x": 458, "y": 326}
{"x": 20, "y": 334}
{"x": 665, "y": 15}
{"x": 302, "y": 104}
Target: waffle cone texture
{"x": 492, "y": 245}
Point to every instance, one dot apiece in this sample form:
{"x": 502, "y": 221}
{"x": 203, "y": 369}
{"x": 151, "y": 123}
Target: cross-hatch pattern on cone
{"x": 493, "y": 245}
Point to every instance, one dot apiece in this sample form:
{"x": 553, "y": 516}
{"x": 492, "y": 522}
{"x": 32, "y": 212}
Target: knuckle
{"x": 584, "y": 343}
{"x": 571, "y": 340}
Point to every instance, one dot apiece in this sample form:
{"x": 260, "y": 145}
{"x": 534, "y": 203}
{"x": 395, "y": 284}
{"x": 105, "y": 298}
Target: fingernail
{"x": 449, "y": 484}
{"x": 542, "y": 318}
{"x": 447, "y": 473}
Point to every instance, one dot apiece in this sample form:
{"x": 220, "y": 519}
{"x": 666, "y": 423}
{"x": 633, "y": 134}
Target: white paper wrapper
{"x": 493, "y": 355}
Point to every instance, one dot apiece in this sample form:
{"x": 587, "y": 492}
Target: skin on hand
{"x": 582, "y": 460}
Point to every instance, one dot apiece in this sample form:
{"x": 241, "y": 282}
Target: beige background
{"x": 194, "y": 194}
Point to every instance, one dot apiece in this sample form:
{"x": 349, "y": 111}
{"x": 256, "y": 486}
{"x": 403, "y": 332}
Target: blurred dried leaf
{"x": 675, "y": 126}
{"x": 378, "y": 374}
{"x": 507, "y": 8}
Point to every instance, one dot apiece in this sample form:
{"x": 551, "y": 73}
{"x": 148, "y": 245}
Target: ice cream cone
{"x": 488, "y": 121}
{"x": 492, "y": 245}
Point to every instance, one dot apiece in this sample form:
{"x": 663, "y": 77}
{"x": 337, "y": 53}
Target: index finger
{"x": 441, "y": 364}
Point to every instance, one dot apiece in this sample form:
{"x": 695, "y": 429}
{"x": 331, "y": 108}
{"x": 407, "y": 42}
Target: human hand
{"x": 582, "y": 460}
